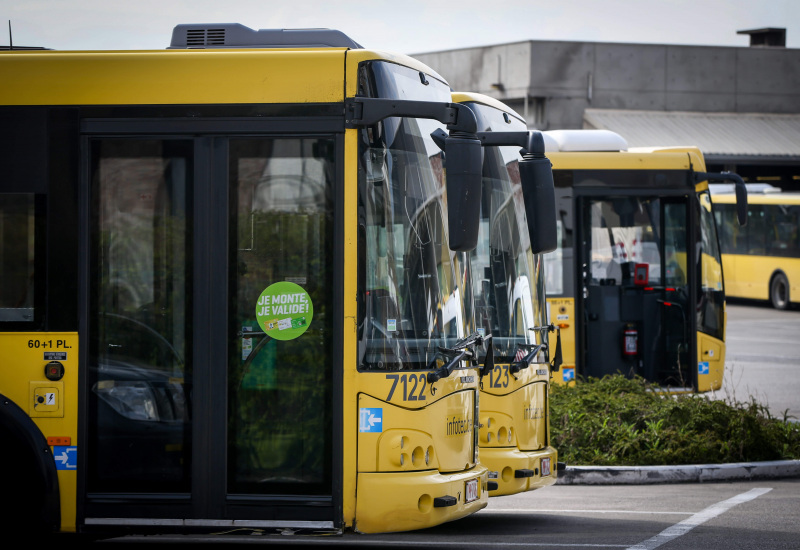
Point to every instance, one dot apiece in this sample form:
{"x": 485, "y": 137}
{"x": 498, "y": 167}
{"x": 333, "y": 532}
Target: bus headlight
{"x": 132, "y": 399}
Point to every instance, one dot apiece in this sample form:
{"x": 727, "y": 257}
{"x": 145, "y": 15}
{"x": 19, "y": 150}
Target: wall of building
{"x": 550, "y": 83}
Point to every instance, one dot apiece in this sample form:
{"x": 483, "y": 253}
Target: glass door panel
{"x": 139, "y": 362}
{"x": 674, "y": 366}
{"x": 635, "y": 293}
{"x": 280, "y": 316}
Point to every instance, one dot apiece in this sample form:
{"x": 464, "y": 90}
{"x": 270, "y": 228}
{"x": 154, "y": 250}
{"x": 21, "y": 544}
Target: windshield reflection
{"x": 411, "y": 285}
{"x": 509, "y": 287}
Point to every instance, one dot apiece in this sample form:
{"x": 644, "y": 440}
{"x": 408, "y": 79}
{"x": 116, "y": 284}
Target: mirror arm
{"x": 532, "y": 142}
{"x": 366, "y": 111}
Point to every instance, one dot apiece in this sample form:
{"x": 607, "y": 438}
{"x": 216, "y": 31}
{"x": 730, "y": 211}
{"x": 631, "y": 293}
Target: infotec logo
{"x": 458, "y": 426}
{"x": 533, "y": 413}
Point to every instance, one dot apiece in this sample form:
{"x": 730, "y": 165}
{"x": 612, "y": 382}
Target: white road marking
{"x": 366, "y": 540}
{"x": 476, "y": 544}
{"x": 699, "y": 518}
{"x": 549, "y": 511}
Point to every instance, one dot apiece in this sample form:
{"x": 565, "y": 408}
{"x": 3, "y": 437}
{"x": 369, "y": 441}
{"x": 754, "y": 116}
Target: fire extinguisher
{"x": 630, "y": 343}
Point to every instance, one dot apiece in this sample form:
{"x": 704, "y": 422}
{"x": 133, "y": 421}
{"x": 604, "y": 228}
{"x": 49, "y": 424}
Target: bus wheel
{"x": 779, "y": 291}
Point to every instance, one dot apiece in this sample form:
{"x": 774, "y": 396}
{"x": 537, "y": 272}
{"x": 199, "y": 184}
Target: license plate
{"x": 471, "y": 490}
{"x": 545, "y": 466}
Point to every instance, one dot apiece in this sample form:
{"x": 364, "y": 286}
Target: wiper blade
{"x": 445, "y": 370}
{"x": 470, "y": 341}
{"x": 525, "y": 362}
{"x": 463, "y": 349}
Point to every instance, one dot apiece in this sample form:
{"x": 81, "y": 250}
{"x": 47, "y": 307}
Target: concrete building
{"x": 740, "y": 105}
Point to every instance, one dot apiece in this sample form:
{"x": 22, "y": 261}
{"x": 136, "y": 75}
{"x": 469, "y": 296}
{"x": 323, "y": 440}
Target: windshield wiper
{"x": 525, "y": 362}
{"x": 463, "y": 349}
{"x": 534, "y": 349}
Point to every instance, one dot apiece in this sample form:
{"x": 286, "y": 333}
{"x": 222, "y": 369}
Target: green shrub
{"x": 620, "y": 421}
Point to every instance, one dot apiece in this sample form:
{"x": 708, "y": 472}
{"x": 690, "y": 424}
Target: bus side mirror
{"x": 741, "y": 202}
{"x": 539, "y": 195}
{"x": 558, "y": 360}
{"x": 738, "y": 185}
{"x": 488, "y": 360}
{"x": 464, "y": 158}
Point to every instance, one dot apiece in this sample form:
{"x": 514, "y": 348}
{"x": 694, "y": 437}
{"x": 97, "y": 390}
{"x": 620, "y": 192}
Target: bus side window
{"x": 793, "y": 219}
{"x": 726, "y": 235}
{"x": 757, "y": 233}
{"x": 783, "y": 223}
{"x": 17, "y": 255}
{"x": 738, "y": 232}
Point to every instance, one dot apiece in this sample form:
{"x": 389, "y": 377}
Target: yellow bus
{"x": 761, "y": 260}
{"x": 510, "y": 310}
{"x": 636, "y": 283}
{"x": 236, "y": 287}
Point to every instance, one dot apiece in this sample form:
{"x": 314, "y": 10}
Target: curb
{"x": 694, "y": 473}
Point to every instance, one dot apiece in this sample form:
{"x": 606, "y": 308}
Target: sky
{"x": 402, "y": 26}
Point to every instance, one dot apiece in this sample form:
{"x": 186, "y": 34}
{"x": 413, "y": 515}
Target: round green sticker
{"x": 284, "y": 310}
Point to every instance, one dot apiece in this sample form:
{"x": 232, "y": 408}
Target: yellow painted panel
{"x": 349, "y": 385}
{"x": 562, "y": 314}
{"x": 25, "y": 356}
{"x": 518, "y": 418}
{"x": 711, "y": 362}
{"x": 749, "y": 276}
{"x": 503, "y": 462}
{"x": 442, "y": 431}
{"x": 470, "y": 97}
{"x": 404, "y": 501}
{"x": 667, "y": 160}
{"x": 172, "y": 77}
{"x": 755, "y": 198}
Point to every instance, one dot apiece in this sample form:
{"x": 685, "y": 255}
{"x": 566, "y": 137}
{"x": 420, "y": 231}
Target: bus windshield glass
{"x": 711, "y": 296}
{"x": 507, "y": 274}
{"x": 411, "y": 285}
{"x": 625, "y": 230}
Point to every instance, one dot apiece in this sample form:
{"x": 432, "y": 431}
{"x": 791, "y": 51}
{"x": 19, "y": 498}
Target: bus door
{"x": 210, "y": 328}
{"x": 634, "y": 291}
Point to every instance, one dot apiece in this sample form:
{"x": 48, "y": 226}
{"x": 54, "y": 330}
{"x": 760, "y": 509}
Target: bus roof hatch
{"x": 234, "y": 35}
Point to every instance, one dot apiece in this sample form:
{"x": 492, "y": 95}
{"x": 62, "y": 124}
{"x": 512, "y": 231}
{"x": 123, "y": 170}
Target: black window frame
{"x": 211, "y": 125}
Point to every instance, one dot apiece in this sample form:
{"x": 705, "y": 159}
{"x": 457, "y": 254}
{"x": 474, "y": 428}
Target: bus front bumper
{"x": 516, "y": 471}
{"x": 403, "y": 501}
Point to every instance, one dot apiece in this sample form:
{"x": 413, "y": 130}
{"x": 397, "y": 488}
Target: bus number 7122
{"x": 413, "y": 380}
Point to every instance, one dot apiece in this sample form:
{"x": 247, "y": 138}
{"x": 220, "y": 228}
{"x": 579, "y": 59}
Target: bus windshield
{"x": 411, "y": 285}
{"x": 507, "y": 275}
{"x": 625, "y": 230}
{"x": 711, "y": 296}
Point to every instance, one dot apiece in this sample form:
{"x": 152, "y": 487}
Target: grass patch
{"x": 617, "y": 421}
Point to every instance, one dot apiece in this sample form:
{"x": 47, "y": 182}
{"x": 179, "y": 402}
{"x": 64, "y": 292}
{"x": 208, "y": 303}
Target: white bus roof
{"x": 752, "y": 188}
{"x": 583, "y": 141}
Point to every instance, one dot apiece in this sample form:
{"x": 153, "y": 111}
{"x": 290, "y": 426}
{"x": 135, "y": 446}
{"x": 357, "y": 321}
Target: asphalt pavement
{"x": 762, "y": 359}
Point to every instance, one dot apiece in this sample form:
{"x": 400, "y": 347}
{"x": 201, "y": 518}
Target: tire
{"x": 779, "y": 291}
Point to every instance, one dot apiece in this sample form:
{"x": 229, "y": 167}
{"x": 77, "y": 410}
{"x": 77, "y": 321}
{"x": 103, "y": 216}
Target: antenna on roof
{"x": 10, "y": 41}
